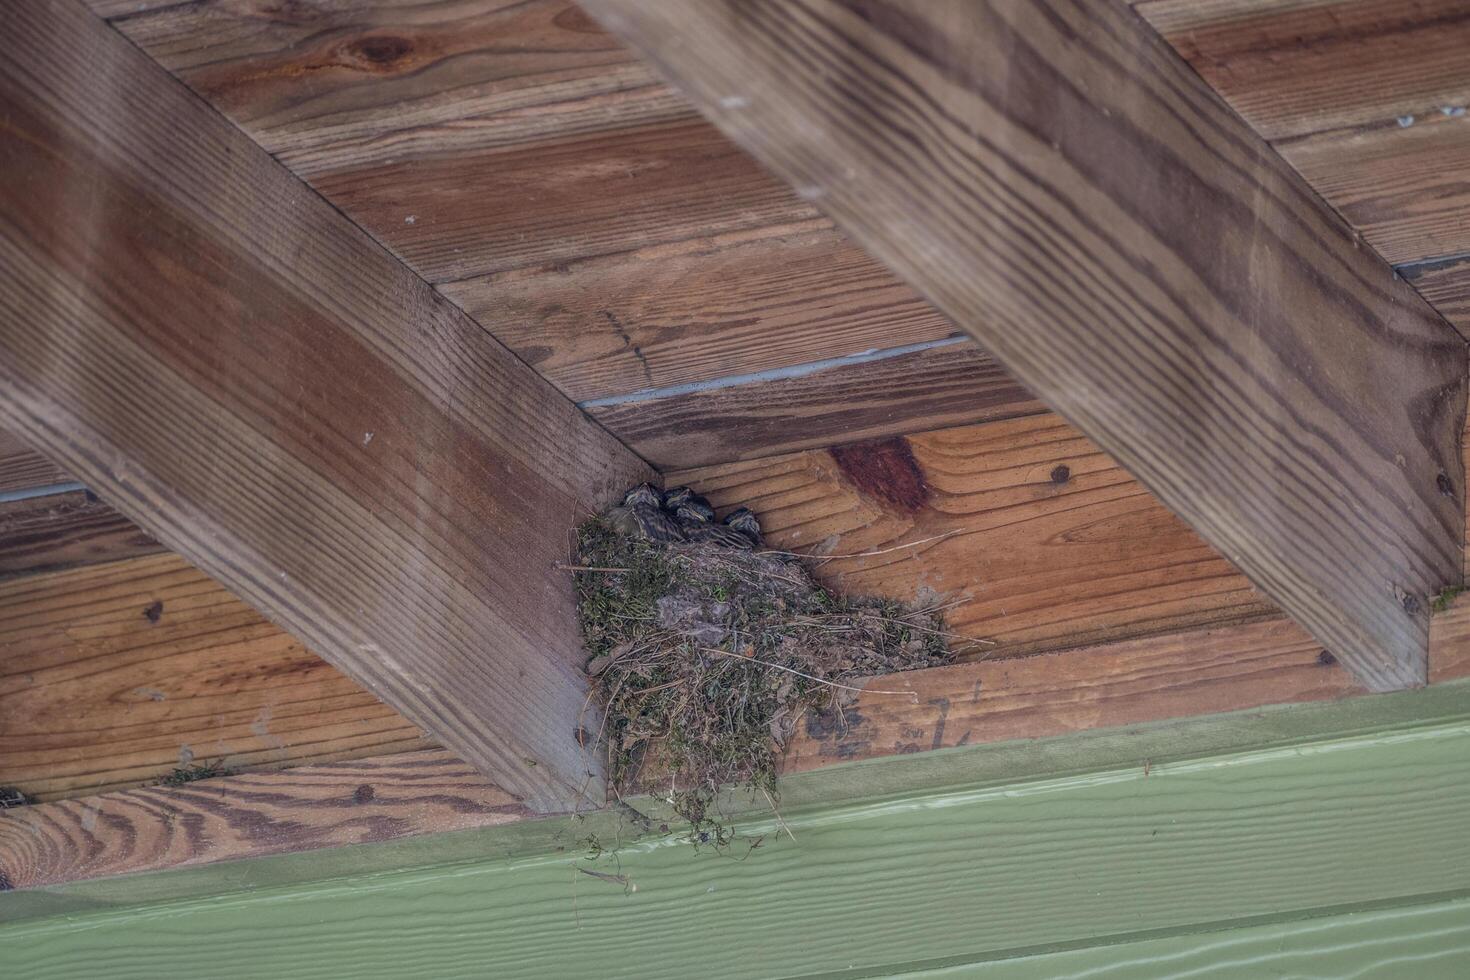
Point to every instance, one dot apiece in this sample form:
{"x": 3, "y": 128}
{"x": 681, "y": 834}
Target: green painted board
{"x": 942, "y": 878}
{"x": 1423, "y": 942}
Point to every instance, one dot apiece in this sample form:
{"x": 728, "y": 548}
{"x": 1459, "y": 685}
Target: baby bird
{"x": 642, "y": 516}
{"x": 697, "y": 520}
{"x": 676, "y": 497}
{"x": 742, "y": 520}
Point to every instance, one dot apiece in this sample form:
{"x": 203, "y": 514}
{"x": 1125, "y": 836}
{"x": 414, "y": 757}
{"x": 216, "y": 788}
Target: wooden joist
{"x": 538, "y": 174}
{"x": 1055, "y": 179}
{"x": 218, "y": 353}
{"x": 1367, "y": 98}
{"x": 1040, "y": 538}
{"x": 259, "y": 813}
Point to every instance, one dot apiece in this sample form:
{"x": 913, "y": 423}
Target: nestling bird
{"x": 677, "y": 496}
{"x": 742, "y": 520}
{"x": 696, "y": 519}
{"x": 642, "y": 516}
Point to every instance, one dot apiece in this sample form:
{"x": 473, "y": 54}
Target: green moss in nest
{"x": 703, "y": 659}
{"x": 194, "y": 773}
{"x": 1445, "y": 599}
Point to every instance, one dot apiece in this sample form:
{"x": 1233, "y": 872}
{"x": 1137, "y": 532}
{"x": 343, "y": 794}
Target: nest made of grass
{"x": 705, "y": 658}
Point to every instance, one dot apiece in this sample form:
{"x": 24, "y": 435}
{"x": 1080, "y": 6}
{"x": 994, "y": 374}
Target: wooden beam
{"x": 154, "y": 828}
{"x": 254, "y": 814}
{"x": 1185, "y": 675}
{"x": 222, "y": 356}
{"x": 1056, "y": 180}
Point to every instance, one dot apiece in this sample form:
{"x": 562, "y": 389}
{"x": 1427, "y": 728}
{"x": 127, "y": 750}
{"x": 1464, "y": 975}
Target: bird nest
{"x": 706, "y": 650}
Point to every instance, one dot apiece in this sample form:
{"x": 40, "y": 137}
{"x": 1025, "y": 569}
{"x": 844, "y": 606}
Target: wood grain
{"x": 22, "y": 468}
{"x": 1047, "y": 542}
{"x": 1217, "y": 329}
{"x": 96, "y": 693}
{"x": 42, "y": 534}
{"x": 393, "y": 80}
{"x": 1445, "y": 284}
{"x": 697, "y": 310}
{"x": 247, "y": 816}
{"x": 1402, "y": 189}
{"x": 1292, "y": 68}
{"x": 469, "y": 137}
{"x": 1449, "y": 641}
{"x": 1197, "y": 672}
{"x": 1366, "y": 98}
{"x": 487, "y": 211}
{"x": 237, "y": 368}
{"x": 927, "y": 389}
{"x": 563, "y": 196}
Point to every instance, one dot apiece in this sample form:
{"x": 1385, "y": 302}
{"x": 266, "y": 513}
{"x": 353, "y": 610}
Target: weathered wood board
{"x": 1366, "y": 98}
{"x": 57, "y": 531}
{"x": 934, "y": 387}
{"x": 24, "y": 469}
{"x": 1040, "y": 537}
{"x": 222, "y": 356}
{"x": 550, "y": 184}
{"x": 114, "y": 675}
{"x": 1202, "y": 314}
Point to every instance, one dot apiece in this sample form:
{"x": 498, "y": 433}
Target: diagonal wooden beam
{"x": 1051, "y": 176}
{"x": 221, "y": 355}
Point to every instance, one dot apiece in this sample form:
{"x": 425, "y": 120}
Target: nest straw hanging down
{"x": 704, "y": 650}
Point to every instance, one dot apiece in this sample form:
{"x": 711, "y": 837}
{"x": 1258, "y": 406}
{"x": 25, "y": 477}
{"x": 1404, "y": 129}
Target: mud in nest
{"x": 703, "y": 659}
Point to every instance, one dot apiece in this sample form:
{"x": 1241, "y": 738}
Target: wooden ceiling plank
{"x": 62, "y": 530}
{"x": 114, "y": 675}
{"x": 1295, "y": 69}
{"x": 24, "y": 471}
{"x": 1445, "y": 284}
{"x": 1060, "y": 183}
{"x": 915, "y": 391}
{"x": 223, "y": 357}
{"x": 699, "y": 310}
{"x": 550, "y": 184}
{"x": 386, "y": 797}
{"x": 1366, "y": 98}
{"x": 1039, "y": 538}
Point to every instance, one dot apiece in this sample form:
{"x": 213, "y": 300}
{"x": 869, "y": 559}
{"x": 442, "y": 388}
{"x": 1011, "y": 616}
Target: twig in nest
{"x": 867, "y": 554}
{"x": 782, "y": 820}
{"x": 565, "y": 567}
{"x": 810, "y": 677}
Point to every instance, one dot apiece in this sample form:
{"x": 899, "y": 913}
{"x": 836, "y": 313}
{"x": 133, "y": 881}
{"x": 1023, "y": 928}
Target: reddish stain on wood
{"x": 885, "y": 470}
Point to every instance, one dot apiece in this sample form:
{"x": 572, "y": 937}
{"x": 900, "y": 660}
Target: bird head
{"x": 695, "y": 509}
{"x": 643, "y": 493}
{"x": 676, "y": 498}
{"x": 741, "y": 519}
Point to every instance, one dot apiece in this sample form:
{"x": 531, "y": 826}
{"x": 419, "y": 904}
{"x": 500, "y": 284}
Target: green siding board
{"x": 1426, "y": 942}
{"x": 954, "y": 875}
